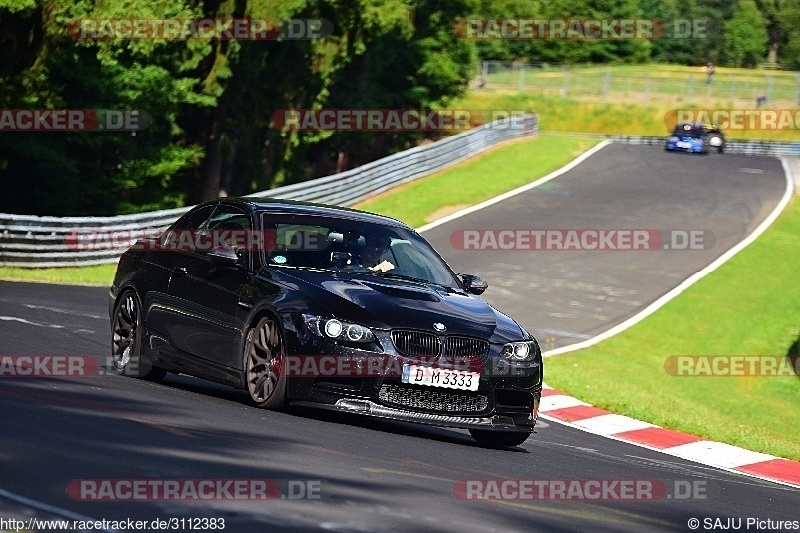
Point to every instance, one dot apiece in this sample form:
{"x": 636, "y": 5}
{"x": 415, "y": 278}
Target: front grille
{"x": 420, "y": 343}
{"x": 466, "y": 347}
{"x": 429, "y": 399}
{"x": 417, "y": 343}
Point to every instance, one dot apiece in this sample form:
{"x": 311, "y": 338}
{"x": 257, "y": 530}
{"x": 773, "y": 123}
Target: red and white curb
{"x": 557, "y": 406}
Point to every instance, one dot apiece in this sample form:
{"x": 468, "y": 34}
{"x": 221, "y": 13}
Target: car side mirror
{"x": 474, "y": 284}
{"x": 224, "y": 254}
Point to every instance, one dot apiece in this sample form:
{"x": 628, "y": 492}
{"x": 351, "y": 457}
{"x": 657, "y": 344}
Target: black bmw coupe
{"x": 334, "y": 308}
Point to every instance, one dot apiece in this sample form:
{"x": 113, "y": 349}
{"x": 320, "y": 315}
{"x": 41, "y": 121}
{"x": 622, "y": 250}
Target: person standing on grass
{"x": 710, "y": 69}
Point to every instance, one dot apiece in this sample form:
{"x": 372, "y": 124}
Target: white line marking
{"x": 24, "y": 321}
{"x": 491, "y": 201}
{"x": 691, "y": 280}
{"x": 64, "y": 311}
{"x": 47, "y": 507}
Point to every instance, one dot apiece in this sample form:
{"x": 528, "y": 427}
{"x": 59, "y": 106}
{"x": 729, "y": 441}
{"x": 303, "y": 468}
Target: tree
{"x": 771, "y": 10}
{"x": 790, "y": 21}
{"x": 746, "y": 36}
{"x": 95, "y": 172}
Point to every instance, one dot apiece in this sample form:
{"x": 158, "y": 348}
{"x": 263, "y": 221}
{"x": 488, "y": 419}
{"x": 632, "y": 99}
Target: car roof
{"x": 294, "y": 207}
{"x": 697, "y": 126}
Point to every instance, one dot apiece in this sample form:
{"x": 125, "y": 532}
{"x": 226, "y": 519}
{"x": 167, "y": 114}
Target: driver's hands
{"x": 383, "y": 266}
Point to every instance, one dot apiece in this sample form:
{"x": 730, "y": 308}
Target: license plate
{"x": 684, "y": 144}
{"x": 439, "y": 377}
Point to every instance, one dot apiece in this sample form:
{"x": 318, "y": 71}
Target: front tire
{"x": 498, "y": 439}
{"x": 126, "y": 341}
{"x": 264, "y": 354}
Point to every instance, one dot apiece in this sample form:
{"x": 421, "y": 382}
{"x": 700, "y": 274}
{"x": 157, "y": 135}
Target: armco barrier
{"x": 732, "y": 146}
{"x": 38, "y": 242}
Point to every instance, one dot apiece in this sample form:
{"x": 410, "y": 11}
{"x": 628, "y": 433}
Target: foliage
{"x": 212, "y": 101}
{"x": 746, "y": 36}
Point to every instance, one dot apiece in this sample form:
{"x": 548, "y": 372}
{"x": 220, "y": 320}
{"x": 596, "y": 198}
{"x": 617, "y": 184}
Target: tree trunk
{"x": 212, "y": 164}
{"x": 772, "y": 57}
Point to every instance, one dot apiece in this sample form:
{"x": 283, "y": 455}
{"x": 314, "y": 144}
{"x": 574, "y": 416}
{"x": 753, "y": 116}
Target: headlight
{"x": 519, "y": 351}
{"x": 332, "y": 328}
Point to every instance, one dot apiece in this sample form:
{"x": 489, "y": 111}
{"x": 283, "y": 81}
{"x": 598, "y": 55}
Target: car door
{"x": 165, "y": 316}
{"x": 206, "y": 289}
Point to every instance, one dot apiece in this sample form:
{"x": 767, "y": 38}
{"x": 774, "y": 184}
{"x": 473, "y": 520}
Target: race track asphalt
{"x": 387, "y": 476}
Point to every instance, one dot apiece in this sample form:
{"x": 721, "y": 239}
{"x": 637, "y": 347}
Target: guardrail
{"x": 732, "y": 146}
{"x": 39, "y": 242}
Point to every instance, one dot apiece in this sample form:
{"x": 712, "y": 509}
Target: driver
{"x": 369, "y": 255}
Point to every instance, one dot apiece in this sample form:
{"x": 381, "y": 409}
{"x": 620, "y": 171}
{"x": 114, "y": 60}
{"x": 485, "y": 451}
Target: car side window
{"x": 191, "y": 222}
{"x": 232, "y": 228}
{"x": 196, "y": 220}
{"x": 226, "y": 217}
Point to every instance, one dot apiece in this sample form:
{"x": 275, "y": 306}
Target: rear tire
{"x": 126, "y": 341}
{"x": 716, "y": 142}
{"x": 264, "y": 357}
{"x": 498, "y": 439}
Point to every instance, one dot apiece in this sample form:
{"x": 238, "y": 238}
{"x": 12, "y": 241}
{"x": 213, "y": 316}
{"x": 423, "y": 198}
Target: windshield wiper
{"x": 380, "y": 274}
{"x": 400, "y": 276}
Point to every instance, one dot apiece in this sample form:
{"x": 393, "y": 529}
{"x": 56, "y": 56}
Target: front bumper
{"x": 369, "y": 408}
{"x": 507, "y": 398}
{"x": 693, "y": 148}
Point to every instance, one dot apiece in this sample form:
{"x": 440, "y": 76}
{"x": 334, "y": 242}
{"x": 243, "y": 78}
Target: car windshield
{"x": 352, "y": 247}
{"x": 694, "y": 133}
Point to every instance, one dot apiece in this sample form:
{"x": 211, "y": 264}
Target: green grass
{"x": 562, "y": 115}
{"x": 750, "y": 306}
{"x": 633, "y": 105}
{"x": 480, "y": 178}
{"x": 92, "y": 275}
{"x": 659, "y": 84}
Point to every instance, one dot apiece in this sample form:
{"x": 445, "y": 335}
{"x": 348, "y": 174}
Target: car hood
{"x": 385, "y": 303}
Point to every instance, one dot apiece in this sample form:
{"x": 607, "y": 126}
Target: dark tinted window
{"x": 353, "y": 248}
{"x": 195, "y": 220}
{"x": 229, "y": 217}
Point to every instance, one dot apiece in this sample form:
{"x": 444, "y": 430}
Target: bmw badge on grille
{"x": 438, "y": 326}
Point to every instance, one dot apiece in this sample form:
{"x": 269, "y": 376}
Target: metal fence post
{"x": 521, "y": 79}
{"x": 797, "y": 89}
{"x": 769, "y": 88}
{"x": 606, "y": 83}
{"x": 689, "y": 88}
